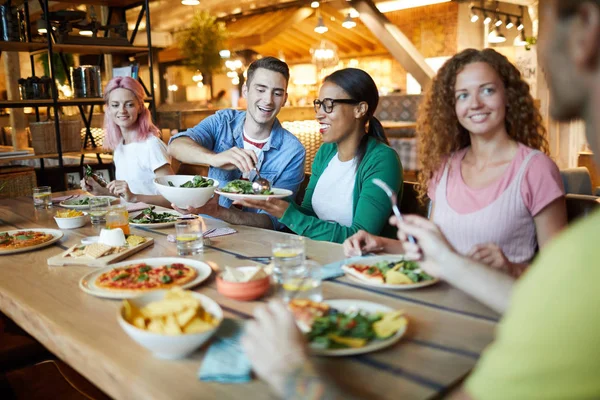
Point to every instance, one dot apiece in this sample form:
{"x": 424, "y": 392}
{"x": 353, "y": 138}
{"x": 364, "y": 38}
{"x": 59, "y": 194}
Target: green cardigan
{"x": 371, "y": 207}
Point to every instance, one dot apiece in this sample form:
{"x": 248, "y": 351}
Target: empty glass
{"x": 288, "y": 252}
{"x": 42, "y": 197}
{"x": 302, "y": 282}
{"x": 98, "y": 209}
{"x": 118, "y": 217}
{"x": 189, "y": 237}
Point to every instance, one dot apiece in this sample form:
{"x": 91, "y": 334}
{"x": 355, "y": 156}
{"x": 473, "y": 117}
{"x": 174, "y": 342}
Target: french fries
{"x": 178, "y": 313}
{"x": 68, "y": 214}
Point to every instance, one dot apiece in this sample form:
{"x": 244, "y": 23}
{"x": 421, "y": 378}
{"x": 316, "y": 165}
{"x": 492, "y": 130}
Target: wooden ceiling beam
{"x": 359, "y": 34}
{"x": 399, "y": 46}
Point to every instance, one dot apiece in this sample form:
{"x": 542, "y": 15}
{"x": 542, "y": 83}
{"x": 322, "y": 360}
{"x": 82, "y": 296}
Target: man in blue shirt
{"x": 234, "y": 142}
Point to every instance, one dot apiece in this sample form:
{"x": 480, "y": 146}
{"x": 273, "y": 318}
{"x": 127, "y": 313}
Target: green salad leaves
{"x": 240, "y": 186}
{"x": 197, "y": 182}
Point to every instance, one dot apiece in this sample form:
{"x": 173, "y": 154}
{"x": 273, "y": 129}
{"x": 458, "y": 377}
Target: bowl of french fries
{"x": 70, "y": 219}
{"x": 170, "y": 323}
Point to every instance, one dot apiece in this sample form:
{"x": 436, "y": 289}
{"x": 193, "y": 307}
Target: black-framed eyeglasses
{"x": 328, "y": 104}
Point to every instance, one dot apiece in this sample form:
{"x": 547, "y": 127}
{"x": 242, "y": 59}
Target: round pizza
{"x": 142, "y": 277}
{"x": 22, "y": 239}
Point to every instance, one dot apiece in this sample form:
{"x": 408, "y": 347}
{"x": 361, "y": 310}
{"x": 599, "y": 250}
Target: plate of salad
{"x": 388, "y": 272}
{"x": 151, "y": 218}
{"x": 240, "y": 189}
{"x": 348, "y": 327}
{"x": 196, "y": 182}
{"x": 83, "y": 202}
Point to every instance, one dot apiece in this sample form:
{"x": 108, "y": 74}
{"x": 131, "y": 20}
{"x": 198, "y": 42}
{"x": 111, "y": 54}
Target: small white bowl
{"x": 170, "y": 346}
{"x": 73, "y": 222}
{"x": 184, "y": 197}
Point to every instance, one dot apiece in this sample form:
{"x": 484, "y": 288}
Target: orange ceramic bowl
{"x": 243, "y": 291}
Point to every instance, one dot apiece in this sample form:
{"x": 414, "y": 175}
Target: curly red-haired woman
{"x": 495, "y": 193}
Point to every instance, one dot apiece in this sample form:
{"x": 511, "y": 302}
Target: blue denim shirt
{"x": 281, "y": 161}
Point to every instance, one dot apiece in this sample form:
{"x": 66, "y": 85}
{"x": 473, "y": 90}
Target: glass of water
{"x": 98, "y": 209}
{"x": 189, "y": 237}
{"x": 42, "y": 197}
{"x": 287, "y": 253}
{"x": 302, "y": 282}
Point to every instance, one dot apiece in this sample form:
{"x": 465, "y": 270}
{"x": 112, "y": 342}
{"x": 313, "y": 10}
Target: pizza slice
{"x": 366, "y": 273}
{"x": 306, "y": 311}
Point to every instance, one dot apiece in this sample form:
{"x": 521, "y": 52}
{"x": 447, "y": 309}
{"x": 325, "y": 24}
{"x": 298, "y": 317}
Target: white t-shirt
{"x": 332, "y": 198}
{"x": 136, "y": 162}
{"x": 250, "y": 146}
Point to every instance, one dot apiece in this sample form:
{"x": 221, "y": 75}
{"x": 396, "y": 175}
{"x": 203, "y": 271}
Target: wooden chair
{"x": 579, "y": 205}
{"x": 578, "y": 181}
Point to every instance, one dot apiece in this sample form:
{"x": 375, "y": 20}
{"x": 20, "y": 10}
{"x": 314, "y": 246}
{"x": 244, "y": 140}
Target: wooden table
{"x": 447, "y": 330}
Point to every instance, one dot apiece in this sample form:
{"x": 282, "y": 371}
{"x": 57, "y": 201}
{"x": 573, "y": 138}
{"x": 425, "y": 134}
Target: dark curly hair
{"x": 440, "y": 134}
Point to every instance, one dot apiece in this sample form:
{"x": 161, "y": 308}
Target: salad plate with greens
{"x": 388, "y": 272}
{"x": 348, "y": 327}
{"x": 83, "y": 202}
{"x": 151, "y": 218}
{"x": 240, "y": 189}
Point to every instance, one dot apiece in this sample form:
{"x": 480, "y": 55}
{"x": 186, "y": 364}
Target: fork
{"x": 394, "y": 200}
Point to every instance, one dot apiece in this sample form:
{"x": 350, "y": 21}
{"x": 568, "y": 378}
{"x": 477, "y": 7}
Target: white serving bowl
{"x": 184, "y": 197}
{"x": 73, "y": 222}
{"x": 170, "y": 346}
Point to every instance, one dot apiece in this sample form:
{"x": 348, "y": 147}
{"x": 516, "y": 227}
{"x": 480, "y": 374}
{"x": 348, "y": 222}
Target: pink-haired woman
{"x": 139, "y": 154}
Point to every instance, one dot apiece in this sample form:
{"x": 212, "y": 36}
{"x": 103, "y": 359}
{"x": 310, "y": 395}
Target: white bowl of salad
{"x": 186, "y": 190}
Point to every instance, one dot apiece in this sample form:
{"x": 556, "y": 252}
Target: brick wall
{"x": 432, "y": 29}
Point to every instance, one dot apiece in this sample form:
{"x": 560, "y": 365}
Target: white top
{"x": 136, "y": 162}
{"x": 332, "y": 198}
{"x": 250, "y": 146}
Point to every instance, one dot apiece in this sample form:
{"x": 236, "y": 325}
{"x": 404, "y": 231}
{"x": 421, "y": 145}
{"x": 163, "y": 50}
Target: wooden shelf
{"x": 53, "y": 155}
{"x": 50, "y": 103}
{"x": 26, "y": 103}
{"x": 94, "y": 49}
{"x": 108, "y": 3}
{"x": 22, "y": 46}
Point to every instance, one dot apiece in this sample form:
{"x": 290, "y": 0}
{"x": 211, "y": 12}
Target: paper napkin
{"x": 225, "y": 360}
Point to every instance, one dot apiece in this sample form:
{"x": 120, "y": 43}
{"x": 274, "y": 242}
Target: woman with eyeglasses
{"x": 341, "y": 198}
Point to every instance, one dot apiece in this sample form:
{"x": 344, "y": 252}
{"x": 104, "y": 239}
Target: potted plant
{"x": 201, "y": 43}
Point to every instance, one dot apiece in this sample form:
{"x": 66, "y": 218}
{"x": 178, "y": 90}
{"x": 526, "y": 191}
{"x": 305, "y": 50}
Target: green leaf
{"x": 166, "y": 279}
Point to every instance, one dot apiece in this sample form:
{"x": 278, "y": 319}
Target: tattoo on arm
{"x": 305, "y": 383}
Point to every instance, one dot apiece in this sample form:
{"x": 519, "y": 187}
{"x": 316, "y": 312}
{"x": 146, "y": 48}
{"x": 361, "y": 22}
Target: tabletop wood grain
{"x": 446, "y": 335}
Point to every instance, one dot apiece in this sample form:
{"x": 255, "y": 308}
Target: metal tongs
{"x": 394, "y": 200}
{"x": 260, "y": 185}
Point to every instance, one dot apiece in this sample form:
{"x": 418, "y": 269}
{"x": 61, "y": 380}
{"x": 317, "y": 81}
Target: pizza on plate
{"x": 306, "y": 311}
{"x": 402, "y": 272}
{"x": 364, "y": 272}
{"x": 143, "y": 277}
{"x": 21, "y": 239}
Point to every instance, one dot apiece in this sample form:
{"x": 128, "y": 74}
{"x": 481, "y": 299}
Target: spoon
{"x": 260, "y": 185}
{"x": 394, "y": 200}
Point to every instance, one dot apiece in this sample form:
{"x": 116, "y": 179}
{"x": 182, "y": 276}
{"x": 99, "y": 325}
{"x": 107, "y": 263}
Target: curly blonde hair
{"x": 440, "y": 134}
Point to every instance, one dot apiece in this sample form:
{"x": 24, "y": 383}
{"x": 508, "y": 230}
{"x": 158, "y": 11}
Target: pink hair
{"x": 145, "y": 127}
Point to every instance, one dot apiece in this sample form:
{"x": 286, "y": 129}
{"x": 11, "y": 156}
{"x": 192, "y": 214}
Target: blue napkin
{"x": 334, "y": 270}
{"x": 225, "y": 360}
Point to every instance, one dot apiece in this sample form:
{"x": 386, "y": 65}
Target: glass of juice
{"x": 118, "y": 217}
{"x": 98, "y": 209}
{"x": 288, "y": 252}
{"x": 42, "y": 197}
{"x": 302, "y": 282}
{"x": 189, "y": 237}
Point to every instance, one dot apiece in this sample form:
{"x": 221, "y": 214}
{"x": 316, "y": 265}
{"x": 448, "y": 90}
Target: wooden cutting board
{"x": 60, "y": 259}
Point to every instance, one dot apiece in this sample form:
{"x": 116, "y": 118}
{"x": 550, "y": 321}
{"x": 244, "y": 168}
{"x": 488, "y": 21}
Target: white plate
{"x": 157, "y": 225}
{"x": 374, "y": 345}
{"x": 374, "y": 260}
{"x": 57, "y": 234}
{"x": 277, "y": 194}
{"x": 87, "y": 282}
{"x": 83, "y": 206}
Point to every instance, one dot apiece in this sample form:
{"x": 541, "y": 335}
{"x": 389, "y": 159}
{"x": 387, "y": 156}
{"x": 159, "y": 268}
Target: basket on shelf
{"x": 16, "y": 181}
{"x": 43, "y": 136}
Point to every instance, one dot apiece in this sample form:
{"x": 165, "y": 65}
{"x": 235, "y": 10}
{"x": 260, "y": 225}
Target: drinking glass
{"x": 42, "y": 197}
{"x": 189, "y": 237}
{"x": 98, "y": 209}
{"x": 302, "y": 282}
{"x": 287, "y": 253}
{"x": 118, "y": 217}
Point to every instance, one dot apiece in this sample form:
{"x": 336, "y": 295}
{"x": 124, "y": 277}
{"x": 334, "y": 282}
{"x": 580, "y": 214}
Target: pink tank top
{"x": 506, "y": 221}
